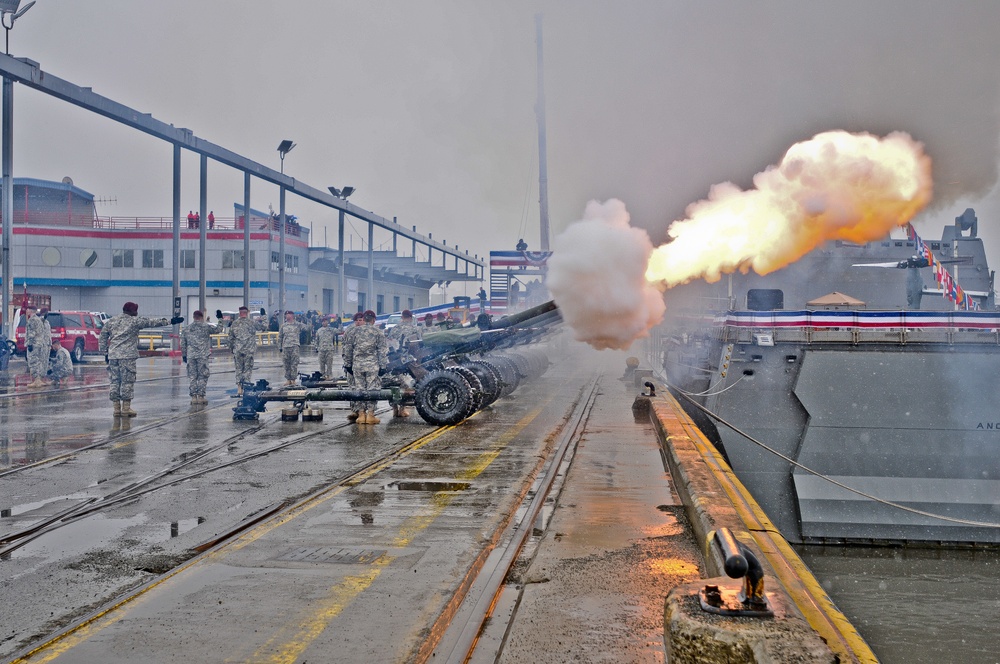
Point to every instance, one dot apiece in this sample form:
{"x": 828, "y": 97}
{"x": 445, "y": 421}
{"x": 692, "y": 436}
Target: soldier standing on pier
{"x": 288, "y": 344}
{"x": 196, "y": 348}
{"x": 366, "y": 352}
{"x": 348, "y": 371}
{"x": 119, "y": 342}
{"x": 37, "y": 342}
{"x": 405, "y": 333}
{"x": 243, "y": 345}
{"x": 326, "y": 344}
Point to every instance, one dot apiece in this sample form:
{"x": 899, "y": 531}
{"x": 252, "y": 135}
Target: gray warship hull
{"x": 832, "y": 365}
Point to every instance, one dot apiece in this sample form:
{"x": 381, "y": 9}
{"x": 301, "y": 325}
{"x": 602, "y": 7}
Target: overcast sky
{"x": 427, "y": 107}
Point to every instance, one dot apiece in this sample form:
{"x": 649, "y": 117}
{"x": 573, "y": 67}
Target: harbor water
{"x": 916, "y": 605}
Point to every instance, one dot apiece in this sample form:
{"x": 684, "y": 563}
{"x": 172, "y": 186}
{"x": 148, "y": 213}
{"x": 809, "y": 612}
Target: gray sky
{"x": 427, "y": 107}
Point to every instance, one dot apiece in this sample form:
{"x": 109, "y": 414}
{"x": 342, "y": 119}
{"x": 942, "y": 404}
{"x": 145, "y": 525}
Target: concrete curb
{"x": 807, "y": 626}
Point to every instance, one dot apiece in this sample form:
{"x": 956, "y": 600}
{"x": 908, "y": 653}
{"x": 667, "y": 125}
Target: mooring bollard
{"x": 738, "y": 562}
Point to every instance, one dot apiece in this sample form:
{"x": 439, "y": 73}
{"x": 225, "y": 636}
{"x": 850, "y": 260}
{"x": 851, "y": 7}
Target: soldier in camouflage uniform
{"x": 119, "y": 342}
{"x": 37, "y": 341}
{"x": 366, "y": 354}
{"x": 196, "y": 348}
{"x": 288, "y": 344}
{"x": 326, "y": 344}
{"x": 60, "y": 363}
{"x": 348, "y": 333}
{"x": 400, "y": 336}
{"x": 243, "y": 344}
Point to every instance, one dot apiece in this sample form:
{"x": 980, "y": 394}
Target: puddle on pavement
{"x": 401, "y": 485}
{"x": 76, "y": 538}
{"x": 24, "y": 508}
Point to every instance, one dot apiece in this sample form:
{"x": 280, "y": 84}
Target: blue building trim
{"x": 152, "y": 283}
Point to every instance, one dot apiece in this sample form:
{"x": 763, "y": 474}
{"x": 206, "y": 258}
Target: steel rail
{"x": 458, "y": 639}
{"x": 273, "y": 513}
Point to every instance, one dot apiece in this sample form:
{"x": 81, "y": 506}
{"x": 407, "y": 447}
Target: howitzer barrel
{"x": 331, "y": 394}
{"x": 525, "y": 316}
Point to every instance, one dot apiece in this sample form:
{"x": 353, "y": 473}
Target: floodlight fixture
{"x": 10, "y": 8}
{"x": 346, "y": 191}
{"x": 284, "y": 148}
{"x": 334, "y": 191}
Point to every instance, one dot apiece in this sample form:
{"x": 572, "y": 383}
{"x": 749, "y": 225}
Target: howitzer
{"x": 448, "y": 375}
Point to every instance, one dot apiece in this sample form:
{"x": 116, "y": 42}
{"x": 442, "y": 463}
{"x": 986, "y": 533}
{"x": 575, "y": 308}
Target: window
{"x": 152, "y": 257}
{"x": 409, "y": 303}
{"x": 291, "y": 264}
{"x": 765, "y": 299}
{"x": 395, "y": 303}
{"x": 379, "y": 304}
{"x": 122, "y": 258}
{"x": 233, "y": 259}
{"x": 275, "y": 264}
{"x": 187, "y": 258}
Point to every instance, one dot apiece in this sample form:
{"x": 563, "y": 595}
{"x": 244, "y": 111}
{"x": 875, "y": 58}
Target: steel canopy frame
{"x": 30, "y": 74}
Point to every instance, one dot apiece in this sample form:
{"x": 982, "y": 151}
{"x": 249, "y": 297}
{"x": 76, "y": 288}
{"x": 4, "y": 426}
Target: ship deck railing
{"x": 854, "y": 327}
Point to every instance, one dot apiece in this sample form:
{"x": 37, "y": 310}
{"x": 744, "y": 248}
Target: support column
{"x": 7, "y": 319}
{"x": 371, "y": 267}
{"x": 281, "y": 254}
{"x": 341, "y": 299}
{"x": 202, "y": 233}
{"x": 246, "y": 240}
{"x": 175, "y": 252}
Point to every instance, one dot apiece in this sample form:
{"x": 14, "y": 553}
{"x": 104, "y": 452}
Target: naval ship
{"x": 852, "y": 364}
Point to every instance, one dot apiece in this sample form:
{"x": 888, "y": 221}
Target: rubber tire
{"x": 443, "y": 398}
{"x": 77, "y": 353}
{"x": 490, "y": 379}
{"x": 478, "y": 396}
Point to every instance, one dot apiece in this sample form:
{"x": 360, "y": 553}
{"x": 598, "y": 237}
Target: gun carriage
{"x": 448, "y": 375}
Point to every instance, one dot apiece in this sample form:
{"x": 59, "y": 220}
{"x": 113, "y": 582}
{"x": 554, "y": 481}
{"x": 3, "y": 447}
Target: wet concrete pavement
{"x": 617, "y": 543}
{"x": 362, "y": 570}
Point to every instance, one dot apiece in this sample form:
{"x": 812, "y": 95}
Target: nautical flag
{"x": 949, "y": 287}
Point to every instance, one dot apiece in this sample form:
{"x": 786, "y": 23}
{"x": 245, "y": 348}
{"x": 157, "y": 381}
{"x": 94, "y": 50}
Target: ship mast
{"x": 543, "y": 178}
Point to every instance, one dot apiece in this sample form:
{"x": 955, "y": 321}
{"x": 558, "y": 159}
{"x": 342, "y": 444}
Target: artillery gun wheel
{"x": 489, "y": 376}
{"x": 443, "y": 397}
{"x": 508, "y": 373}
{"x": 478, "y": 396}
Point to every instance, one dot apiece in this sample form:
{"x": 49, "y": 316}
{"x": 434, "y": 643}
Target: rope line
{"x": 881, "y": 501}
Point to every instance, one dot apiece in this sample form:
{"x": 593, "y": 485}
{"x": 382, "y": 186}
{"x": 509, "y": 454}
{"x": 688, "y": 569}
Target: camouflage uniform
{"x": 366, "y": 352}
{"x": 60, "y": 366}
{"x": 120, "y": 342}
{"x": 196, "y": 345}
{"x": 243, "y": 344}
{"x": 345, "y": 339}
{"x": 38, "y": 335}
{"x": 326, "y": 344}
{"x": 288, "y": 344}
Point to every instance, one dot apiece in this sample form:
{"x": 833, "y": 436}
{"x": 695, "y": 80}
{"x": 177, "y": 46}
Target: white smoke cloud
{"x": 597, "y": 278}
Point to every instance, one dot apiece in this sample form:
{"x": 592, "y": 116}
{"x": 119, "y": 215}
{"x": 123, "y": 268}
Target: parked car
{"x": 77, "y": 331}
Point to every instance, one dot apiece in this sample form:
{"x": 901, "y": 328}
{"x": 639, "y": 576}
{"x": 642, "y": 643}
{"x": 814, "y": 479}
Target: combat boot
{"x": 195, "y": 400}
{"x": 239, "y": 390}
{"x": 127, "y": 409}
{"x": 353, "y": 416}
{"x": 118, "y": 408}
{"x": 371, "y": 418}
{"x": 362, "y": 417}
{"x": 404, "y": 411}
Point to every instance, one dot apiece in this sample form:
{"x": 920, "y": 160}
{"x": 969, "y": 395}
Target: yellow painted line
{"x": 290, "y": 642}
{"x": 798, "y": 580}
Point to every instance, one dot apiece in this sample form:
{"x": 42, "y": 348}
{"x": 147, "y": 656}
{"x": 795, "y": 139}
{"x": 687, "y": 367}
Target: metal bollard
{"x": 738, "y": 562}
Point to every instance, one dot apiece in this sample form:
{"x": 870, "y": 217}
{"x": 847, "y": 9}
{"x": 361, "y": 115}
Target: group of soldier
{"x": 47, "y": 359}
{"x": 364, "y": 353}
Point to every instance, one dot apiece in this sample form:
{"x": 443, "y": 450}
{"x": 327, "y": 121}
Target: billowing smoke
{"x": 597, "y": 277}
{"x": 837, "y": 185}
